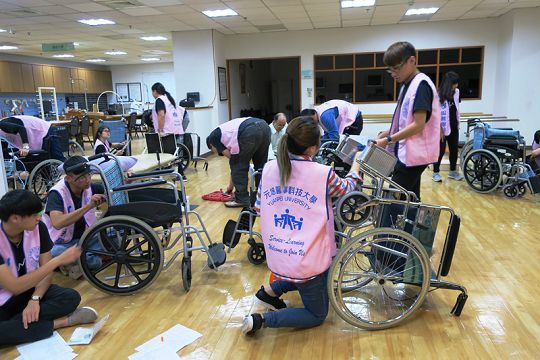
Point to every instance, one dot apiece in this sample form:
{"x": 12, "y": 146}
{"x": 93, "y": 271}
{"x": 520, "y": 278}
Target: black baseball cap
{"x": 76, "y": 165}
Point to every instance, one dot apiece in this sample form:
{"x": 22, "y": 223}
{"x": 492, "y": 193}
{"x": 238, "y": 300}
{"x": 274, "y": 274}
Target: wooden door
{"x": 48, "y": 78}
{"x": 27, "y": 78}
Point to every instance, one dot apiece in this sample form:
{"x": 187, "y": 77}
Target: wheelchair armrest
{"x": 151, "y": 173}
{"x": 451, "y": 245}
{"x": 139, "y": 185}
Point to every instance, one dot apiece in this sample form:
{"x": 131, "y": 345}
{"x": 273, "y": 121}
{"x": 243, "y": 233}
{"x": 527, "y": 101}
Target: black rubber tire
{"x": 43, "y": 177}
{"x": 256, "y": 254}
{"x": 186, "y": 273}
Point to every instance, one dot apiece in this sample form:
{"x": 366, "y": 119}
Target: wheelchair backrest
{"x": 118, "y": 129}
{"x": 114, "y": 178}
{"x": 168, "y": 144}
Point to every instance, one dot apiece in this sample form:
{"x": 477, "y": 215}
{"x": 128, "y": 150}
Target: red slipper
{"x": 218, "y": 196}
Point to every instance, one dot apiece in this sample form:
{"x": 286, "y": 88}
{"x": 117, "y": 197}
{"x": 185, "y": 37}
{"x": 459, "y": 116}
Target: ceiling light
{"x": 63, "y": 56}
{"x": 115, "y": 52}
{"x": 154, "y": 38}
{"x": 96, "y": 60}
{"x": 76, "y": 44}
{"x": 8, "y": 47}
{"x": 356, "y": 3}
{"x": 220, "y": 13}
{"x": 151, "y": 59}
{"x": 96, "y": 22}
{"x": 3, "y": 30}
{"x": 422, "y": 11}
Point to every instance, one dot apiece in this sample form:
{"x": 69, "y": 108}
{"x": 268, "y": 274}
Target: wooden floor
{"x": 497, "y": 259}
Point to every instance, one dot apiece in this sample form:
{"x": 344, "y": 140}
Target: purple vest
{"x": 347, "y": 113}
{"x": 229, "y": 134}
{"x": 445, "y": 114}
{"x": 65, "y": 235}
{"x": 31, "y": 246}
{"x": 422, "y": 148}
{"x": 36, "y": 129}
{"x": 172, "y": 123}
{"x": 297, "y": 222}
{"x": 99, "y": 142}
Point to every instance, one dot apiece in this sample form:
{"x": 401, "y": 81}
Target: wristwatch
{"x": 36, "y": 298}
{"x": 389, "y": 139}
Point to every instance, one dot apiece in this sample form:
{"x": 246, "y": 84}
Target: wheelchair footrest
{"x": 216, "y": 252}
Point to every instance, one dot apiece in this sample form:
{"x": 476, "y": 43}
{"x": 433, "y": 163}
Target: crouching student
{"x": 295, "y": 202}
{"x": 30, "y": 306}
{"x": 70, "y": 210}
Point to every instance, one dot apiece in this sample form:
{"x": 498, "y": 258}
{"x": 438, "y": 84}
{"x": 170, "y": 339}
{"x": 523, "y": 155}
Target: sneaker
{"x": 252, "y": 323}
{"x": 84, "y": 315}
{"x": 270, "y": 302}
{"x": 436, "y": 177}
{"x": 454, "y": 175}
{"x": 234, "y": 204}
{"x": 75, "y": 272}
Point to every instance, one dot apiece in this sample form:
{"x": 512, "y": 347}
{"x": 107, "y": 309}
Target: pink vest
{"x": 445, "y": 114}
{"x": 534, "y": 147}
{"x": 99, "y": 142}
{"x": 36, "y": 129}
{"x": 347, "y": 113}
{"x": 172, "y": 123}
{"x": 65, "y": 235}
{"x": 297, "y": 222}
{"x": 229, "y": 134}
{"x": 422, "y": 148}
{"x": 31, "y": 246}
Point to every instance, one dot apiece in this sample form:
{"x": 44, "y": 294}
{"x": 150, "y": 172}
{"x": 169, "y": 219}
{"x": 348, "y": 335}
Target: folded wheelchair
{"x": 137, "y": 228}
{"x": 495, "y": 158}
{"x": 387, "y": 263}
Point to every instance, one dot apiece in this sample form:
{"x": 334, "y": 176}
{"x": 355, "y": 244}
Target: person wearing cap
{"x": 28, "y": 133}
{"x": 31, "y": 307}
{"x": 71, "y": 209}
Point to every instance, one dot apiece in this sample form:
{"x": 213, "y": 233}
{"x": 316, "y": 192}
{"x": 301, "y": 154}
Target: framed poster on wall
{"x": 122, "y": 91}
{"x": 135, "y": 92}
{"x": 222, "y": 79}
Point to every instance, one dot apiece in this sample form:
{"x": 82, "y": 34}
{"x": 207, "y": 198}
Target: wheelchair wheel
{"x": 351, "y": 209}
{"x": 74, "y": 148}
{"x": 522, "y": 189}
{"x": 43, "y": 177}
{"x": 511, "y": 191}
{"x": 379, "y": 279}
{"x": 130, "y": 251}
{"x": 256, "y": 253}
{"x": 184, "y": 156}
{"x": 482, "y": 170}
{"x": 186, "y": 273}
{"x": 467, "y": 147}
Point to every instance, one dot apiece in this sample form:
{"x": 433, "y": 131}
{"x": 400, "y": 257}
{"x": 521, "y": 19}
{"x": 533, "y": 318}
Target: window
{"x": 363, "y": 78}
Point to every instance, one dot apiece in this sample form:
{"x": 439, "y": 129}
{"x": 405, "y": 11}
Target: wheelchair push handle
{"x": 106, "y": 156}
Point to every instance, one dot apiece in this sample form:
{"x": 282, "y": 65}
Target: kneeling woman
{"x": 30, "y": 306}
{"x": 297, "y": 226}
{"x": 102, "y": 144}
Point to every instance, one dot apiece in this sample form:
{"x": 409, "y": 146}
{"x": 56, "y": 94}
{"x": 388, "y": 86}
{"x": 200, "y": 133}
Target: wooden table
{"x": 59, "y": 122}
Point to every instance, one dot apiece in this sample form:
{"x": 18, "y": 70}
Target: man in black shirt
{"x": 30, "y": 306}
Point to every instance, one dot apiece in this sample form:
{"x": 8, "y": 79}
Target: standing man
{"x": 337, "y": 117}
{"x": 70, "y": 210}
{"x": 277, "y": 128}
{"x": 241, "y": 140}
{"x": 414, "y": 135}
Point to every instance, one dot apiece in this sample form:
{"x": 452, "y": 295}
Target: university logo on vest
{"x": 288, "y": 220}
{"x": 295, "y": 195}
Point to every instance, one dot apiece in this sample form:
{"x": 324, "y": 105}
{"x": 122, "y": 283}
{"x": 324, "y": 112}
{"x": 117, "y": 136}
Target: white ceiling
{"x": 33, "y": 22}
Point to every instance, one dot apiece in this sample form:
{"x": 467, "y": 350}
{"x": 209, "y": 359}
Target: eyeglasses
{"x": 106, "y": 130}
{"x": 83, "y": 176}
{"x": 396, "y": 68}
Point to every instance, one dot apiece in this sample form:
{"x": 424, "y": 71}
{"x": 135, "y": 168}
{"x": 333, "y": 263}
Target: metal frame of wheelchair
{"x": 380, "y": 276}
{"x": 500, "y": 163}
{"x": 133, "y": 246}
{"x": 184, "y": 157}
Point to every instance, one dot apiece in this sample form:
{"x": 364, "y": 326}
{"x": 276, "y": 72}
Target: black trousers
{"x": 56, "y": 303}
{"x": 254, "y": 142}
{"x": 452, "y": 139}
{"x": 409, "y": 177}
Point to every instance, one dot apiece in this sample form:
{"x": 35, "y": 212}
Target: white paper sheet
{"x": 175, "y": 338}
{"x": 83, "y": 336}
{"x": 164, "y": 352}
{"x": 51, "y": 348}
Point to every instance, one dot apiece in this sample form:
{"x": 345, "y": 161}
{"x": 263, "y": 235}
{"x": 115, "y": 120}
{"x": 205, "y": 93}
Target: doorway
{"x": 263, "y": 87}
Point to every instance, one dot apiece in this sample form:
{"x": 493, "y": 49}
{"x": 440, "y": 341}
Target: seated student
{"x": 305, "y": 219}
{"x": 534, "y": 158}
{"x": 70, "y": 210}
{"x": 337, "y": 117}
{"x": 30, "y": 306}
{"x": 102, "y": 144}
{"x": 241, "y": 140}
{"x": 28, "y": 133}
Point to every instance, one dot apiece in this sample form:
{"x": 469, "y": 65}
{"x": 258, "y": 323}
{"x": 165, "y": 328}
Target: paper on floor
{"x": 175, "y": 338}
{"x": 83, "y": 336}
{"x": 163, "y": 352}
{"x": 53, "y": 347}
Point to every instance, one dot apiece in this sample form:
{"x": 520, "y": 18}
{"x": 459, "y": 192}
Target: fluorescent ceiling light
{"x": 96, "y": 22}
{"x": 220, "y": 13}
{"x": 154, "y": 38}
{"x": 3, "y": 30}
{"x": 8, "y": 47}
{"x": 115, "y": 52}
{"x": 96, "y": 60}
{"x": 76, "y": 44}
{"x": 356, "y": 3}
{"x": 151, "y": 59}
{"x": 63, "y": 56}
{"x": 422, "y": 11}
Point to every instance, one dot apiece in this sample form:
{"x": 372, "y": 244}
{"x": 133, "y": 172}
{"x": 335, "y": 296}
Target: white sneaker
{"x": 454, "y": 175}
{"x": 75, "y": 272}
{"x": 436, "y": 177}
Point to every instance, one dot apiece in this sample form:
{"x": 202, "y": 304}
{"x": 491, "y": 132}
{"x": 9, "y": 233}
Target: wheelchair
{"x": 496, "y": 159}
{"x": 137, "y": 228}
{"x": 169, "y": 144}
{"x": 386, "y": 265}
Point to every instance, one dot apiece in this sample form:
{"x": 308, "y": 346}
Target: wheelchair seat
{"x": 500, "y": 134}
{"x": 153, "y": 213}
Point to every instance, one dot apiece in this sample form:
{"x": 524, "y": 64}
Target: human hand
{"x": 97, "y": 199}
{"x": 383, "y": 134}
{"x": 382, "y": 142}
{"x": 30, "y": 313}
{"x": 120, "y": 153}
{"x": 70, "y": 255}
{"x": 23, "y": 152}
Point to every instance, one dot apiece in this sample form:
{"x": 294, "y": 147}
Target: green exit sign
{"x": 58, "y": 47}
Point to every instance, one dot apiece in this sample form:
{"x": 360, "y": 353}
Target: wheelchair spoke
{"x": 103, "y": 267}
{"x": 118, "y": 274}
{"x": 133, "y": 259}
{"x": 133, "y": 272}
{"x": 137, "y": 245}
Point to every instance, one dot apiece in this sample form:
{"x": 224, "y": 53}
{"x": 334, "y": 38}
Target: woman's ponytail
{"x": 283, "y": 161}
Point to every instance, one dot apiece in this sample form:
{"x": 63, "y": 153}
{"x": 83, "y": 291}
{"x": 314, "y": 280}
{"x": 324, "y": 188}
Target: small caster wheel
{"x": 522, "y": 190}
{"x": 510, "y": 191}
{"x": 460, "y": 303}
{"x": 189, "y": 242}
{"x": 256, "y": 254}
{"x": 186, "y": 273}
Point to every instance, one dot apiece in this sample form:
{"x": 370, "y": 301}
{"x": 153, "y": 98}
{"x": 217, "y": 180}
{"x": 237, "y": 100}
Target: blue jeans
{"x": 93, "y": 261}
{"x": 314, "y": 297}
